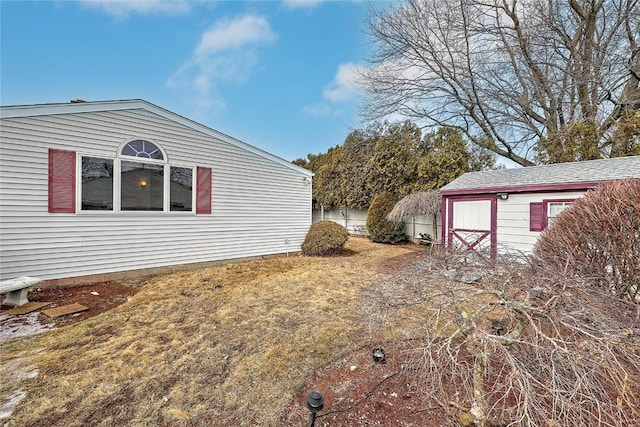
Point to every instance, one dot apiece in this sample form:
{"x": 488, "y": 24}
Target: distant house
{"x": 101, "y": 187}
{"x": 505, "y": 210}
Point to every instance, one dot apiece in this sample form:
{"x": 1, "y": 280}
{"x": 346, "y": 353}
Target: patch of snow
{"x": 15, "y": 371}
{"x": 6, "y": 408}
{"x": 21, "y": 326}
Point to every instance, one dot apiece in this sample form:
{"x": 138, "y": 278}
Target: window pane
{"x": 97, "y": 184}
{"x": 556, "y": 208}
{"x": 142, "y": 187}
{"x": 144, "y": 149}
{"x": 181, "y": 189}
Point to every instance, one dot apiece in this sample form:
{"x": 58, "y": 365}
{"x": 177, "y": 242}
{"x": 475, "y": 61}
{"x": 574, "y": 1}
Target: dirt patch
{"x": 360, "y": 391}
{"x": 98, "y": 297}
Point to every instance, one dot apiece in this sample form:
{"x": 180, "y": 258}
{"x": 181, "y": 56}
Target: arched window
{"x": 142, "y": 186}
{"x": 142, "y": 148}
{"x": 140, "y": 178}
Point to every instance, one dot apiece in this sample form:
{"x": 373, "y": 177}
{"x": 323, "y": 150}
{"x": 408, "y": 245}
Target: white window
{"x": 97, "y": 184}
{"x": 180, "y": 189}
{"x": 141, "y": 186}
{"x": 138, "y": 179}
{"x": 554, "y": 209}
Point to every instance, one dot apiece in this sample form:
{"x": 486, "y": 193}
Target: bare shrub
{"x": 504, "y": 345}
{"x": 597, "y": 238}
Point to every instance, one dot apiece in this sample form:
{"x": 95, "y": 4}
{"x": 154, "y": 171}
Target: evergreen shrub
{"x": 380, "y": 229}
{"x": 324, "y": 238}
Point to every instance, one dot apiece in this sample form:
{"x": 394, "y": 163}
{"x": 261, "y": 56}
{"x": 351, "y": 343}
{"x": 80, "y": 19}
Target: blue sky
{"x": 279, "y": 75}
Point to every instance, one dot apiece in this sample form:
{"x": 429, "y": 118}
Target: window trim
{"x": 193, "y": 190}
{"x": 547, "y": 203}
{"x": 78, "y": 207}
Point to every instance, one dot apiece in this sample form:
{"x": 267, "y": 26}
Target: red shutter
{"x": 536, "y": 216}
{"x": 62, "y": 181}
{"x": 203, "y": 190}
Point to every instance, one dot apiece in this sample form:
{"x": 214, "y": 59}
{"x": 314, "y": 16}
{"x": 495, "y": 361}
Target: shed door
{"x": 472, "y": 224}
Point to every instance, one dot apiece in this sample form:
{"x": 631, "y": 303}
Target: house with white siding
{"x": 89, "y": 188}
{"x": 504, "y": 211}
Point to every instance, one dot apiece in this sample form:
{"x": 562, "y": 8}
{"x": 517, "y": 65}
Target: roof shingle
{"x": 586, "y": 172}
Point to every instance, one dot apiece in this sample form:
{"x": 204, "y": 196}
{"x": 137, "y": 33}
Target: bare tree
{"x": 509, "y": 73}
{"x": 497, "y": 345}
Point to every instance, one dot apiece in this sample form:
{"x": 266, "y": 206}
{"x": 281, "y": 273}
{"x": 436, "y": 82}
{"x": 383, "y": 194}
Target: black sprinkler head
{"x": 315, "y": 401}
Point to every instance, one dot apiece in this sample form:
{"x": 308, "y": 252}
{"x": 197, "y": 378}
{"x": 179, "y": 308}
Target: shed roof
{"x": 75, "y": 107}
{"x": 557, "y": 176}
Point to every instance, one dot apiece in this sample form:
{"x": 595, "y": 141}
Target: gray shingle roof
{"x": 591, "y": 171}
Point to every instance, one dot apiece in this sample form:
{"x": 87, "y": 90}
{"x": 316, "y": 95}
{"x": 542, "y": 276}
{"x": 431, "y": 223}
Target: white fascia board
{"x": 68, "y": 108}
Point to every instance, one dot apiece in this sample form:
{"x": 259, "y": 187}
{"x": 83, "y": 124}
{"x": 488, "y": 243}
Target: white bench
{"x": 16, "y": 290}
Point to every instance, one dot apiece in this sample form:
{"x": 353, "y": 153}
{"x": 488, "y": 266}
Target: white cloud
{"x": 227, "y": 52}
{"x": 230, "y": 34}
{"x": 344, "y": 86}
{"x": 302, "y": 4}
{"x": 124, "y": 8}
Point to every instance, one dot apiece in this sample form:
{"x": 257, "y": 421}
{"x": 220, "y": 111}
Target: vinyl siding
{"x": 259, "y": 206}
{"x": 513, "y": 220}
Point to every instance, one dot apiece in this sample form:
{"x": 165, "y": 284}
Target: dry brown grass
{"x": 228, "y": 345}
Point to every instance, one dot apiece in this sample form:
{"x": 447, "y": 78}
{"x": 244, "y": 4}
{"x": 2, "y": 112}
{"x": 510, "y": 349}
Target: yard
{"x": 228, "y": 345}
{"x": 243, "y": 344}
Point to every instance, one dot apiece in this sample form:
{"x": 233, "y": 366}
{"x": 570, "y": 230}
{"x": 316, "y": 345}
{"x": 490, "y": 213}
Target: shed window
{"x": 554, "y": 209}
{"x": 541, "y": 214}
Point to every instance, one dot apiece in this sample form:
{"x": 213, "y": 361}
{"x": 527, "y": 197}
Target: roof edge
{"x": 16, "y": 111}
{"x": 524, "y": 189}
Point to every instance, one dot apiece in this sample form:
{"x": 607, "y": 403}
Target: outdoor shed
{"x": 504, "y": 211}
{"x": 89, "y": 188}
